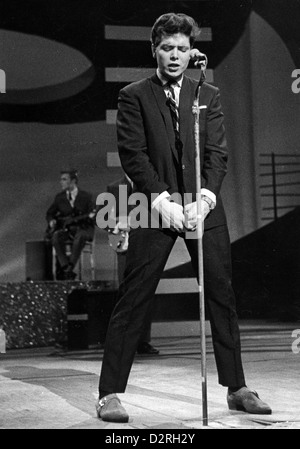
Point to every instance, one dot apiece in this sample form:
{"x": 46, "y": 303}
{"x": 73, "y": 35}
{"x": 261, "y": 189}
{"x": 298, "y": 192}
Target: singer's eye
{"x": 167, "y": 48}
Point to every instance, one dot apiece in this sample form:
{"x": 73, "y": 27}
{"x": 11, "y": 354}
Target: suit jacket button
{"x": 183, "y": 166}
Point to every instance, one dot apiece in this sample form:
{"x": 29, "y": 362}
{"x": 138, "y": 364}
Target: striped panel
{"x": 173, "y": 286}
{"x": 112, "y": 159}
{"x": 131, "y": 74}
{"x": 111, "y": 116}
{"x": 140, "y": 33}
{"x": 178, "y": 329}
{"x": 195, "y": 74}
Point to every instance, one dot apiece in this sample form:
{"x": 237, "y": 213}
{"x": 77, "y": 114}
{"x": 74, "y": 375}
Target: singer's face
{"x": 173, "y": 55}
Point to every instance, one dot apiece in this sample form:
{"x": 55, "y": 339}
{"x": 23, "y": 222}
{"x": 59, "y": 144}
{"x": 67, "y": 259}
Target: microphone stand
{"x": 199, "y": 230}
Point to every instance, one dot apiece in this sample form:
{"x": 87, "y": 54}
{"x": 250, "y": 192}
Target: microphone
{"x": 200, "y": 59}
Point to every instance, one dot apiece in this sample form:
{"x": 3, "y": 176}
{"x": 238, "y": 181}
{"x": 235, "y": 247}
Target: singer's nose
{"x": 174, "y": 54}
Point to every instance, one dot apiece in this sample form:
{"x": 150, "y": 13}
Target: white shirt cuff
{"x": 160, "y": 197}
{"x": 210, "y": 195}
{"x": 166, "y": 194}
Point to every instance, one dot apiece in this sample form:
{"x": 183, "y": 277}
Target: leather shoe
{"x": 247, "y": 401}
{"x": 146, "y": 348}
{"x": 110, "y": 409}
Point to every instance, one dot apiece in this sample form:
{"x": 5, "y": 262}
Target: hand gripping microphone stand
{"x": 199, "y": 230}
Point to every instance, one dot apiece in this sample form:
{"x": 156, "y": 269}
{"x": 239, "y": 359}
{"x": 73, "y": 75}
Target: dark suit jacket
{"x": 146, "y": 141}
{"x": 113, "y": 188}
{"x": 61, "y": 207}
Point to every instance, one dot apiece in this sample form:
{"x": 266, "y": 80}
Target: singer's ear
{"x": 153, "y": 49}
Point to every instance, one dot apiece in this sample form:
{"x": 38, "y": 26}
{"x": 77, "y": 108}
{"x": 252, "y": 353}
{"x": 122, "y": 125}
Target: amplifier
{"x": 88, "y": 315}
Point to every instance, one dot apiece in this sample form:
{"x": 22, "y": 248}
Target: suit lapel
{"x": 77, "y": 199}
{"x": 161, "y": 101}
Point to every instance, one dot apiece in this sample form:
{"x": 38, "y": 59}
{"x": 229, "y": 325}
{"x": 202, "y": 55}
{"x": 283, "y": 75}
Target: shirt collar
{"x": 74, "y": 192}
{"x": 165, "y": 80}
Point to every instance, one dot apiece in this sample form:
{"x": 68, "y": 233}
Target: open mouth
{"x": 173, "y": 67}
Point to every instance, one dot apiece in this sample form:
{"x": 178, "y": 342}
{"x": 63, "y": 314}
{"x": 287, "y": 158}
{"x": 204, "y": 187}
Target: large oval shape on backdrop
{"x": 40, "y": 70}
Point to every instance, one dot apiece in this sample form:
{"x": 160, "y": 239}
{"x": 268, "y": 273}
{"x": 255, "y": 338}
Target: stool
{"x": 88, "y": 249}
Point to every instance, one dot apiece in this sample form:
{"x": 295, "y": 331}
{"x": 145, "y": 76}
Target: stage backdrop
{"x": 65, "y": 62}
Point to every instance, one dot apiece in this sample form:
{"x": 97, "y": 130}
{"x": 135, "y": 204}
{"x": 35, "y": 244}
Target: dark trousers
{"x": 147, "y": 255}
{"x": 146, "y": 335}
{"x": 78, "y": 241}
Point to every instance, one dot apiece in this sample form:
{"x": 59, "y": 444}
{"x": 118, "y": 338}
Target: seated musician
{"x": 71, "y": 218}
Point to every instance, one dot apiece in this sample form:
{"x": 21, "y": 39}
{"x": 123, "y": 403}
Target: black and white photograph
{"x": 150, "y": 217}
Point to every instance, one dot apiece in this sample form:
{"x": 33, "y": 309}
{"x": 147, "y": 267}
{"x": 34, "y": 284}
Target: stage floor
{"x": 51, "y": 389}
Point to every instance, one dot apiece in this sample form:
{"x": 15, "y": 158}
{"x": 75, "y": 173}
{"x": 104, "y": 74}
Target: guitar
{"x": 118, "y": 241}
{"x": 65, "y": 223}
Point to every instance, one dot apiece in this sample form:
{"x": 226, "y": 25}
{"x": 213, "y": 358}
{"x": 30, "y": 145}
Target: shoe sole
{"x": 116, "y": 420}
{"x": 240, "y": 408}
{"x": 121, "y": 420}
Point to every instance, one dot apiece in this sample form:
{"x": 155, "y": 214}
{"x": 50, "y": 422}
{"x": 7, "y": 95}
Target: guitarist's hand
{"x": 52, "y": 224}
{"x": 120, "y": 226}
{"x": 72, "y": 219}
{"x": 119, "y": 237}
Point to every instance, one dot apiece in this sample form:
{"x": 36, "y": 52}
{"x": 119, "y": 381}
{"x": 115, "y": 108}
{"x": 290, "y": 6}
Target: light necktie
{"x": 174, "y": 109}
{"x": 70, "y": 198}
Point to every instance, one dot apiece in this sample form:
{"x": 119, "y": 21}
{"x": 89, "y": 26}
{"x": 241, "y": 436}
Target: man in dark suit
{"x": 70, "y": 219}
{"x": 157, "y": 152}
{"x": 119, "y": 236}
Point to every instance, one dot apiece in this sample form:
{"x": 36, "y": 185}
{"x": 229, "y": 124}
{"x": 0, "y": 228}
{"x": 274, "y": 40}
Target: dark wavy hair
{"x": 72, "y": 173}
{"x": 173, "y": 23}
